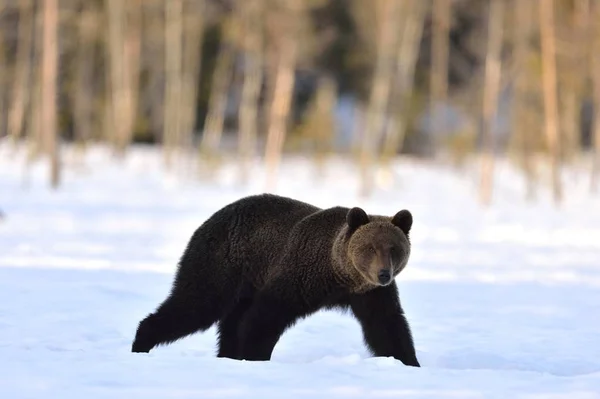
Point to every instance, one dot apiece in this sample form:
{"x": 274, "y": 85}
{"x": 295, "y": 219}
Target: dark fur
{"x": 263, "y": 262}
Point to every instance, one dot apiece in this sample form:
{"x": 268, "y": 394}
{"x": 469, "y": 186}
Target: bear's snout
{"x": 385, "y": 276}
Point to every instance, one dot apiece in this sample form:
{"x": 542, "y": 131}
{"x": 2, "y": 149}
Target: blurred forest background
{"x": 207, "y": 80}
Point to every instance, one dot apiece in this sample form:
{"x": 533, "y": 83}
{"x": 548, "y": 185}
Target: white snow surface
{"x": 503, "y": 302}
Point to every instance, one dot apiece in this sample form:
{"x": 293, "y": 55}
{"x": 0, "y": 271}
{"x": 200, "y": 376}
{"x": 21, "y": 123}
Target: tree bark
{"x": 193, "y": 32}
{"x": 491, "y": 90}
{"x": 173, "y": 72}
{"x": 20, "y": 96}
{"x": 83, "y": 103}
{"x": 406, "y": 61}
{"x": 521, "y": 132}
{"x": 548, "y": 48}
{"x": 49, "y": 76}
{"x": 595, "y": 66}
{"x": 253, "y": 78}
{"x": 282, "y": 91}
{"x": 388, "y": 13}
{"x": 124, "y": 48}
{"x": 215, "y": 119}
{"x": 439, "y": 66}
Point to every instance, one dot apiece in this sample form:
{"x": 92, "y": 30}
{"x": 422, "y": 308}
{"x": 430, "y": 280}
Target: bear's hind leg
{"x": 175, "y": 318}
{"x": 262, "y": 326}
{"x": 228, "y": 329}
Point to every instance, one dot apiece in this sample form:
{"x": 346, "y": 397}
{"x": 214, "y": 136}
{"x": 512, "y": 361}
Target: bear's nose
{"x": 384, "y": 276}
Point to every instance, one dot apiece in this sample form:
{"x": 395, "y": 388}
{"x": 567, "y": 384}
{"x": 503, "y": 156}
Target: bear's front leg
{"x": 385, "y": 329}
{"x": 262, "y": 326}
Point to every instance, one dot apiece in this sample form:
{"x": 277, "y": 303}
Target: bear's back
{"x": 248, "y": 235}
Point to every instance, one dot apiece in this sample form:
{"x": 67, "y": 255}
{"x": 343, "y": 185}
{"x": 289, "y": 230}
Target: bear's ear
{"x": 355, "y": 218}
{"x": 403, "y": 220}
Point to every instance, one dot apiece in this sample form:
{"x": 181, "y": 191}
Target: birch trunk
{"x": 406, "y": 61}
{"x": 83, "y": 104}
{"x": 283, "y": 86}
{"x": 548, "y": 48}
{"x": 20, "y": 96}
{"x": 439, "y": 66}
{"x": 523, "y": 23}
{"x": 49, "y": 76}
{"x": 124, "y": 48}
{"x": 253, "y": 77}
{"x": 280, "y": 108}
{"x": 116, "y": 21}
{"x": 173, "y": 69}
{"x": 595, "y": 66}
{"x": 213, "y": 127}
{"x": 193, "y": 32}
{"x": 131, "y": 58}
{"x": 4, "y": 71}
{"x": 388, "y": 13}
{"x": 490, "y": 99}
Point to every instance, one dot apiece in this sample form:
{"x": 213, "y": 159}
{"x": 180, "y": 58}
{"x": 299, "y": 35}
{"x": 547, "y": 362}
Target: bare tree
{"x": 406, "y": 61}
{"x": 20, "y": 96}
{"x": 35, "y": 133}
{"x": 595, "y": 67}
{"x": 283, "y": 38}
{"x": 193, "y": 34}
{"x": 548, "y": 47}
{"x": 523, "y": 133}
{"x": 49, "y": 86}
{"x": 388, "y": 14}
{"x": 4, "y": 71}
{"x": 215, "y": 119}
{"x": 572, "y": 27}
{"x": 173, "y": 83}
{"x": 251, "y": 12}
{"x": 131, "y": 58}
{"x": 491, "y": 90}
{"x": 83, "y": 103}
{"x": 439, "y": 63}
{"x": 124, "y": 48}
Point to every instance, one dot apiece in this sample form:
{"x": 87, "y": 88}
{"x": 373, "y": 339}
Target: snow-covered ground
{"x": 503, "y": 303}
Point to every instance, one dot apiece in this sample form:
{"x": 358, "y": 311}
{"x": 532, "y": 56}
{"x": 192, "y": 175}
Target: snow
{"x": 503, "y": 302}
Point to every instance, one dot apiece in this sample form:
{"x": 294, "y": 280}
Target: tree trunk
{"x": 83, "y": 103}
{"x": 388, "y": 13}
{"x": 131, "y": 58}
{"x": 280, "y": 108}
{"x": 439, "y": 66}
{"x": 116, "y": 19}
{"x": 490, "y": 99}
{"x": 23, "y": 69}
{"x": 406, "y": 61}
{"x": 522, "y": 133}
{"x": 124, "y": 43}
{"x": 154, "y": 33}
{"x": 215, "y": 119}
{"x": 4, "y": 71}
{"x": 283, "y": 87}
{"x": 253, "y": 77}
{"x": 548, "y": 48}
{"x": 35, "y": 133}
{"x": 573, "y": 72}
{"x": 595, "y": 66}
{"x": 173, "y": 84}
{"x": 193, "y": 32}
{"x": 49, "y": 76}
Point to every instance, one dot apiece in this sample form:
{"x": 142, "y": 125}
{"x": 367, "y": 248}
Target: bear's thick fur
{"x": 261, "y": 263}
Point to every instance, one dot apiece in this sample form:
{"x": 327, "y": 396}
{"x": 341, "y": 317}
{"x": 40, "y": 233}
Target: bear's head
{"x": 377, "y": 247}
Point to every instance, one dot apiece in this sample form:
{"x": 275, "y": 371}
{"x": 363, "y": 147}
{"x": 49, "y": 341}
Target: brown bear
{"x": 263, "y": 262}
